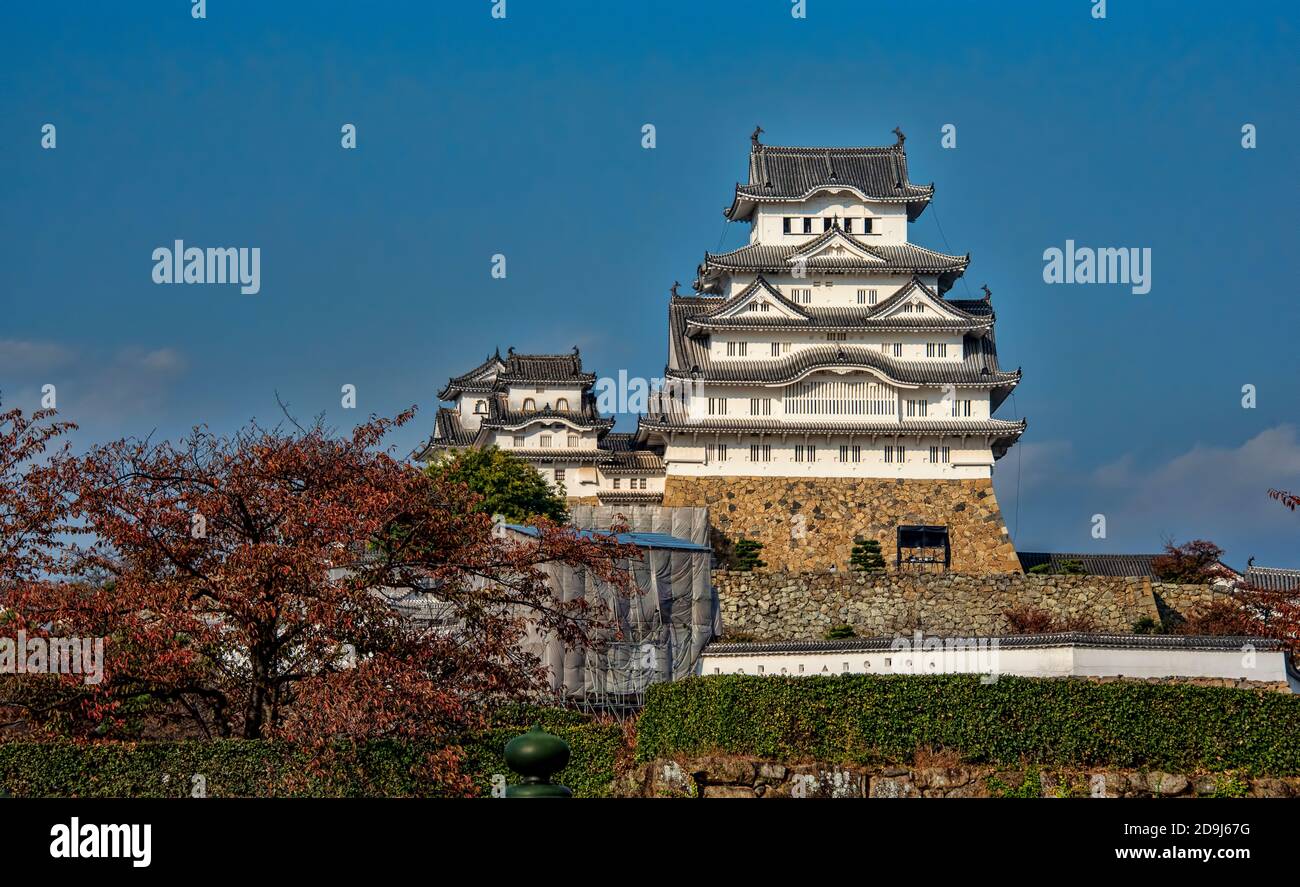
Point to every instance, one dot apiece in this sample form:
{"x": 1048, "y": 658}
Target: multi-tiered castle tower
{"x": 821, "y": 388}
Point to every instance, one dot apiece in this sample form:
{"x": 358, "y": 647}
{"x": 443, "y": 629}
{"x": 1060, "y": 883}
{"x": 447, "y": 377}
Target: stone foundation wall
{"x": 810, "y": 523}
{"x": 802, "y": 606}
{"x": 738, "y": 777}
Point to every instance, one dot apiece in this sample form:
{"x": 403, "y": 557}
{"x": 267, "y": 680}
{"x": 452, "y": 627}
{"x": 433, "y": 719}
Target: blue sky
{"x": 522, "y": 136}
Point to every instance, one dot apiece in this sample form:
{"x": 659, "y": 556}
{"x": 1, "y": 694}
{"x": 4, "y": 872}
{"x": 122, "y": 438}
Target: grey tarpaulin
{"x": 664, "y": 626}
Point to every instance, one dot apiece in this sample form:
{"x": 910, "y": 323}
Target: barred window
{"x": 936, "y": 349}
{"x": 917, "y": 408}
{"x": 519, "y": 440}
{"x": 760, "y": 406}
{"x": 545, "y": 440}
{"x": 559, "y": 476}
{"x": 940, "y": 454}
{"x": 717, "y": 406}
{"x": 760, "y": 452}
{"x": 573, "y": 440}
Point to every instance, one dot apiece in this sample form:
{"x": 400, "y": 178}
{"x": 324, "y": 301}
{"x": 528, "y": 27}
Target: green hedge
{"x": 1061, "y": 722}
{"x": 244, "y": 768}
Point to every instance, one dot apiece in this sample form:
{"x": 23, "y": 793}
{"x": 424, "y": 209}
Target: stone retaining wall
{"x": 767, "y": 606}
{"x": 739, "y": 777}
{"x": 810, "y": 523}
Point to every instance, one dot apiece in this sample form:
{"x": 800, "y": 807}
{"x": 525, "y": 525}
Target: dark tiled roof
{"x": 970, "y": 314}
{"x": 624, "y": 462}
{"x": 448, "y": 432}
{"x": 1273, "y": 578}
{"x": 679, "y": 422}
{"x": 629, "y": 497}
{"x": 536, "y": 368}
{"x": 479, "y": 379}
{"x": 792, "y": 173}
{"x": 898, "y": 258}
{"x": 1094, "y": 564}
{"x": 978, "y": 369}
{"x": 1063, "y": 639}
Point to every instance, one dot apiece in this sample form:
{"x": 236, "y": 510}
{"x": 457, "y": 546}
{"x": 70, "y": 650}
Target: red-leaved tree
{"x": 246, "y": 588}
{"x": 32, "y": 498}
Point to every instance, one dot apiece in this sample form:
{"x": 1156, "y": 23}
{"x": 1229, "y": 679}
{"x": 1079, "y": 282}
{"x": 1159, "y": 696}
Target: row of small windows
{"x": 892, "y": 453}
{"x": 530, "y": 405}
{"x": 802, "y": 295}
{"x": 545, "y": 441}
{"x": 633, "y": 483}
{"x": 834, "y": 398}
{"x": 822, "y": 224}
{"x": 779, "y": 349}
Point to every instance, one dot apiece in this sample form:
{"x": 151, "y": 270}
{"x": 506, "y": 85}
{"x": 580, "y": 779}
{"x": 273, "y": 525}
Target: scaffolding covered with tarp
{"x": 657, "y": 632}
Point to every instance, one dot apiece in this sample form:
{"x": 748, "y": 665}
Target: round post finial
{"x": 537, "y": 756}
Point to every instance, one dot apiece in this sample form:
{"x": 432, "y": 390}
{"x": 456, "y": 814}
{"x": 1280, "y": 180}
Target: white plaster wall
{"x": 1026, "y": 662}
{"x": 542, "y": 395}
{"x": 832, "y": 289}
{"x": 759, "y": 344}
{"x": 686, "y": 455}
{"x": 739, "y": 397}
{"x": 889, "y": 219}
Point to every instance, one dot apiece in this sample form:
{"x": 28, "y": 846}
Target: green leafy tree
{"x": 866, "y": 555}
{"x": 509, "y": 485}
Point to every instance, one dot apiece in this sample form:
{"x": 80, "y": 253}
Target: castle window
{"x": 530, "y": 404}
{"x": 851, "y": 454}
{"x": 923, "y": 549}
{"x": 519, "y": 440}
{"x": 562, "y": 404}
{"x": 837, "y": 337}
{"x": 802, "y": 295}
{"x": 917, "y": 409}
{"x": 776, "y": 349}
{"x": 737, "y": 349}
{"x": 961, "y": 408}
{"x": 573, "y": 440}
{"x": 898, "y": 349}
{"x": 641, "y": 482}
{"x": 785, "y": 224}
{"x": 480, "y": 406}
{"x": 545, "y": 440}
{"x": 807, "y": 225}
{"x": 936, "y": 349}
{"x": 805, "y": 453}
{"x": 848, "y": 226}
{"x": 715, "y": 452}
{"x": 785, "y": 347}
{"x": 760, "y": 406}
{"x": 717, "y": 406}
{"x": 940, "y": 454}
{"x": 866, "y": 297}
{"x": 760, "y": 452}
{"x": 896, "y": 454}
{"x": 559, "y": 476}
{"x": 618, "y": 483}
{"x": 867, "y": 226}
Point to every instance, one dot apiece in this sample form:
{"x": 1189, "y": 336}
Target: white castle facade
{"x": 824, "y": 350}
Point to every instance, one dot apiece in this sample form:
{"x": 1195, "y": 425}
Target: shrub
{"x": 744, "y": 555}
{"x": 866, "y": 555}
{"x": 257, "y": 768}
{"x": 1062, "y": 722}
{"x": 1033, "y": 620}
{"x": 840, "y": 632}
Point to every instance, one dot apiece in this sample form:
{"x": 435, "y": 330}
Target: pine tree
{"x": 744, "y": 555}
{"x": 866, "y": 555}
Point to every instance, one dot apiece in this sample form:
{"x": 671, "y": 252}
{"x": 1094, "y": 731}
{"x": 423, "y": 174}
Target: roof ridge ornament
{"x": 754, "y": 143}
{"x": 901, "y": 137}
{"x": 672, "y": 290}
{"x": 988, "y": 293}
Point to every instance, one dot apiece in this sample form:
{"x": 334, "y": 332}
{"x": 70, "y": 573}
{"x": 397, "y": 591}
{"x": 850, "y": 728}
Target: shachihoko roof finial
{"x": 901, "y": 137}
{"x": 753, "y": 137}
{"x": 988, "y": 293}
{"x": 672, "y": 290}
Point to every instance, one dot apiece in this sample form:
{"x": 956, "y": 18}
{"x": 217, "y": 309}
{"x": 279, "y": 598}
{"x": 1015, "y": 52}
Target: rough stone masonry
{"x": 811, "y": 523}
